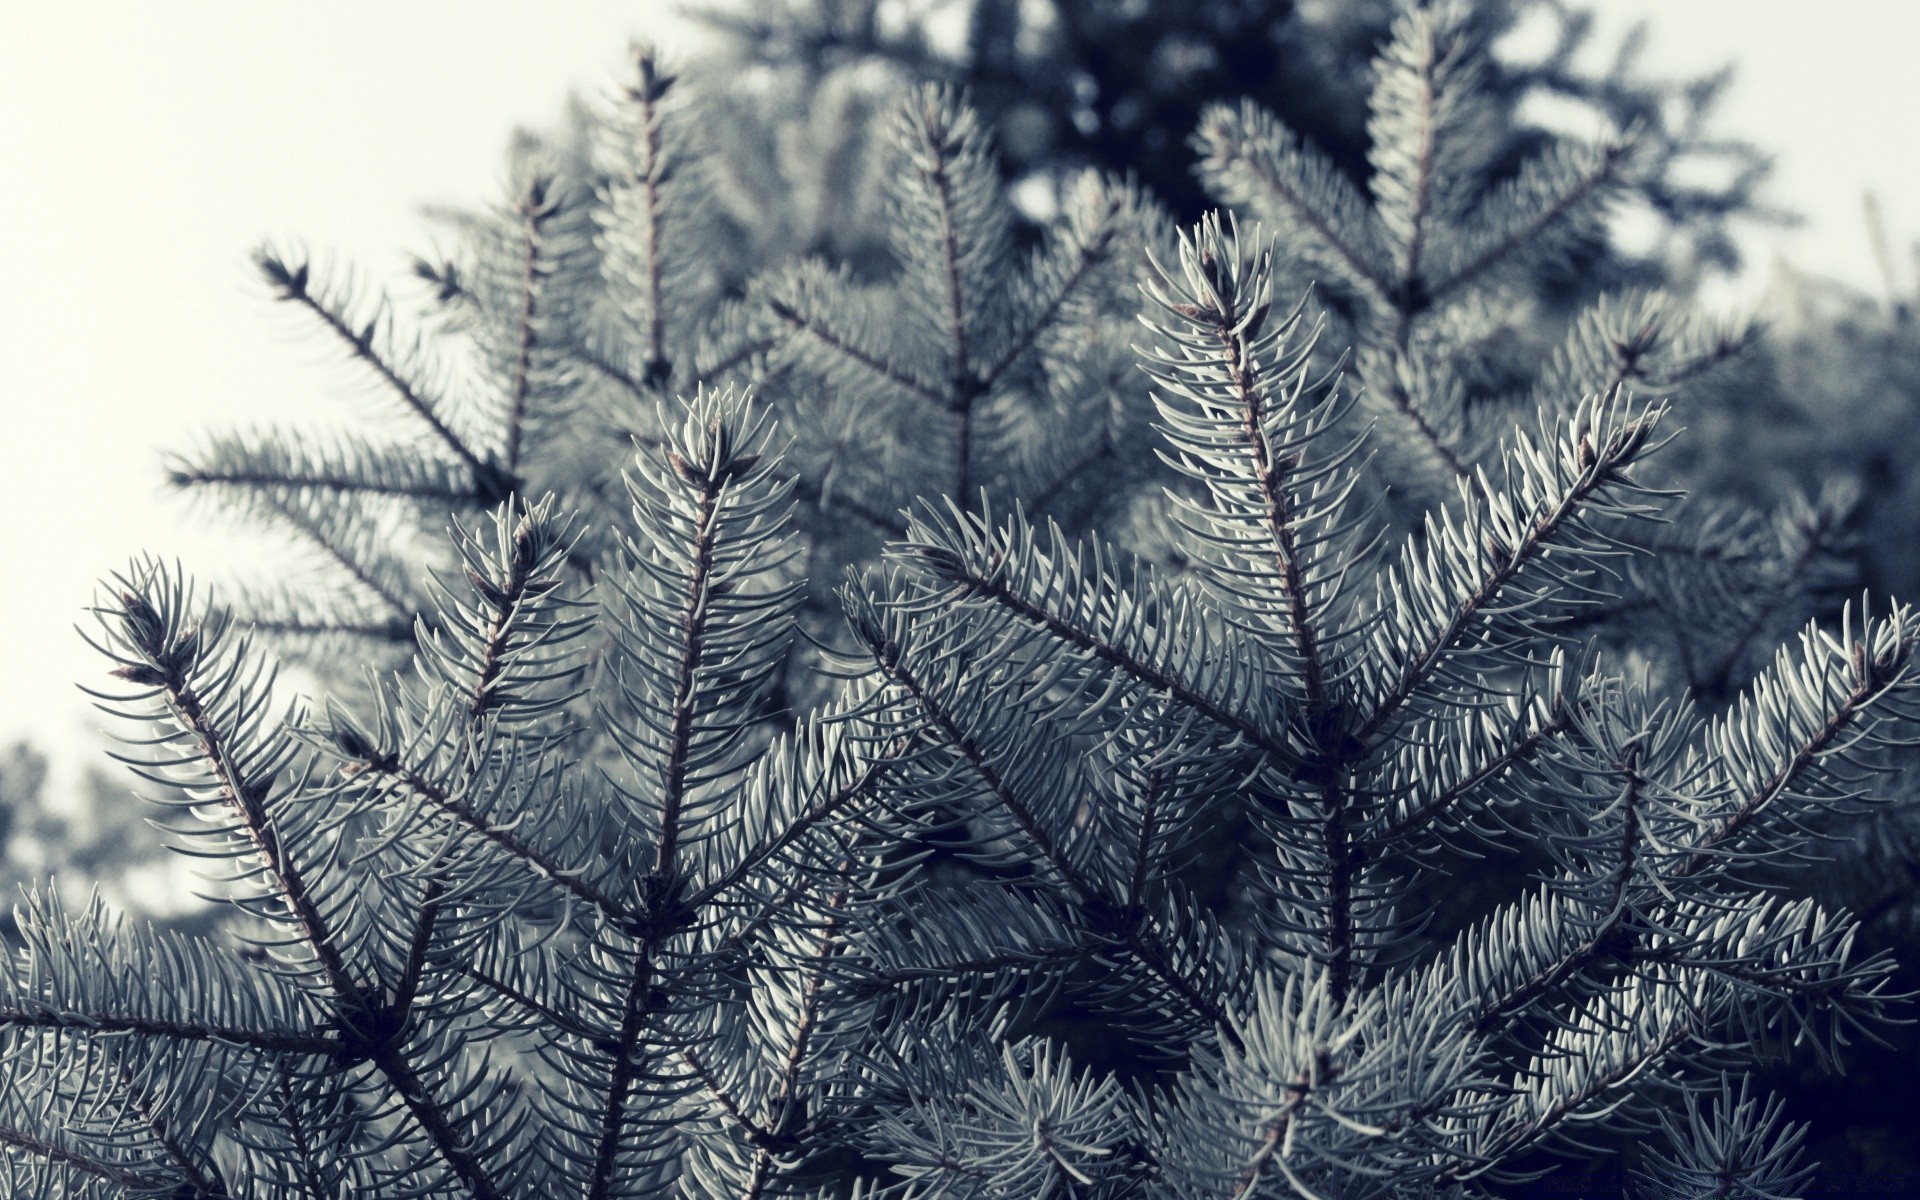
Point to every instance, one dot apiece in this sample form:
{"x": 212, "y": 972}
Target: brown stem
{"x": 185, "y": 1031}
{"x": 533, "y": 215}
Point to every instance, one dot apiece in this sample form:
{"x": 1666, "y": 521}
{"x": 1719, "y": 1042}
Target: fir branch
{"x": 783, "y": 1105}
{"x": 292, "y": 284}
{"x": 1509, "y": 757}
{"x": 169, "y": 657}
{"x": 1875, "y": 673}
{"x": 1133, "y": 933}
{"x": 396, "y": 632}
{"x": 320, "y": 536}
{"x": 1101, "y": 449}
{"x": 1255, "y": 160}
{"x": 585, "y": 354}
{"x": 1568, "y": 1107}
{"x": 1089, "y": 257}
{"x": 693, "y": 627}
{"x": 561, "y": 876}
{"x": 550, "y": 1016}
{"x": 809, "y": 326}
{"x": 715, "y": 373}
{"x": 281, "y": 462}
{"x": 1235, "y": 330}
{"x": 454, "y": 1146}
{"x": 1561, "y": 189}
{"x": 650, "y": 176}
{"x": 535, "y": 212}
{"x": 203, "y": 1179}
{"x": 1394, "y": 388}
{"x": 981, "y": 563}
{"x": 861, "y": 786}
{"x": 1815, "y": 533}
{"x": 717, "y": 503}
{"x": 1520, "y": 538}
{"x": 264, "y": 1041}
{"x": 129, "y": 1180}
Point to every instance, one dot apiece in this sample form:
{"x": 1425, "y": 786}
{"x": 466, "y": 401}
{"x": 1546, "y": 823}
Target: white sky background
{"x": 145, "y": 148}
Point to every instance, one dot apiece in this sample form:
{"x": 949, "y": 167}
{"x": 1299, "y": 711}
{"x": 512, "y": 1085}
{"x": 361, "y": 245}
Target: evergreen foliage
{"x": 482, "y": 964}
{"x": 864, "y": 736}
{"x": 1121, "y": 87}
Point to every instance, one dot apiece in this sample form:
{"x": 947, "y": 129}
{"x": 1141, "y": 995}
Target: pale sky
{"x": 145, "y": 148}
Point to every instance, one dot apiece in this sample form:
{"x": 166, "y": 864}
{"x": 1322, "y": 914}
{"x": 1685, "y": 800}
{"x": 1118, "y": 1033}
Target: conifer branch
{"x": 206, "y": 1184}
{"x": 164, "y": 655}
{"x": 1090, "y": 256}
{"x": 342, "y": 470}
{"x": 728, "y": 1103}
{"x": 1598, "y": 470}
{"x": 132, "y": 1182}
{"x": 784, "y": 1103}
{"x": 806, "y": 325}
{"x": 319, "y": 536}
{"x": 693, "y": 626}
{"x": 1570, "y": 1106}
{"x": 1396, "y": 393}
{"x": 454, "y": 1146}
{"x": 861, "y": 786}
{"x": 719, "y": 489}
{"x": 518, "y": 997}
{"x": 1048, "y": 492}
{"x": 265, "y": 1041}
{"x": 613, "y": 1119}
{"x": 585, "y": 354}
{"x": 1880, "y": 663}
{"x": 1510, "y": 756}
{"x": 328, "y": 483}
{"x": 715, "y": 374}
{"x": 292, "y": 283}
{"x": 1567, "y": 198}
{"x": 166, "y": 658}
{"x": 535, "y": 211}
{"x": 322, "y": 1176}
{"x": 1235, "y": 329}
{"x": 544, "y": 867}
{"x": 1133, "y": 932}
{"x": 396, "y": 632}
{"x": 1788, "y": 576}
{"x": 615, "y": 887}
{"x": 1250, "y": 146}
{"x": 650, "y": 177}
{"x": 992, "y": 583}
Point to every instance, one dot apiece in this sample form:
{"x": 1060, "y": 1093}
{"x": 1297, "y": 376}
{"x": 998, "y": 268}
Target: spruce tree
{"x": 1101, "y": 833}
